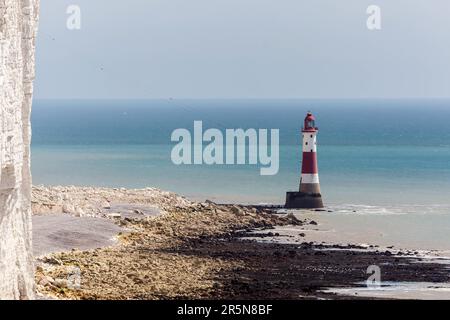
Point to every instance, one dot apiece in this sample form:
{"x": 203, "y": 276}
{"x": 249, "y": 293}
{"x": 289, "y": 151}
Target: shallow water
{"x": 399, "y": 290}
{"x": 411, "y": 231}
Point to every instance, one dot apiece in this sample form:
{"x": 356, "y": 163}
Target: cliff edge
{"x": 18, "y": 25}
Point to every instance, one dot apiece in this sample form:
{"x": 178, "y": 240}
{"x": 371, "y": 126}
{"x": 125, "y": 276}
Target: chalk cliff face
{"x": 18, "y": 24}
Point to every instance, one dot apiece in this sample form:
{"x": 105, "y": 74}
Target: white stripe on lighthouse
{"x": 309, "y": 142}
{"x": 310, "y": 178}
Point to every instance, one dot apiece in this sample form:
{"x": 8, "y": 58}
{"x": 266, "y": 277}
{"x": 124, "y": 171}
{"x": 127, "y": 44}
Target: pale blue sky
{"x": 244, "y": 49}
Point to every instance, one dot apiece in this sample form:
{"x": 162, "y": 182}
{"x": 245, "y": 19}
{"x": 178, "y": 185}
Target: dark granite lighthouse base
{"x": 301, "y": 200}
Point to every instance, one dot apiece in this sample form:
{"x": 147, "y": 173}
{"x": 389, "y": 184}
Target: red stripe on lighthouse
{"x": 309, "y": 163}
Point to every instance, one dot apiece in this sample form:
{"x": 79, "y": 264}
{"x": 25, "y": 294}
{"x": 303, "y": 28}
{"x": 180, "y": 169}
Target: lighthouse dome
{"x": 310, "y": 123}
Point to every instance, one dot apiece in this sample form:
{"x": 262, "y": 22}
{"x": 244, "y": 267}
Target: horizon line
{"x": 299, "y": 98}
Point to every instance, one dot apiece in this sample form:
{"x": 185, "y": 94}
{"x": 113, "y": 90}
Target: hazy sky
{"x": 244, "y": 49}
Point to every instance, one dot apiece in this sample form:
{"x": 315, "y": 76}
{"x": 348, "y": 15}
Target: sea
{"x": 386, "y": 160}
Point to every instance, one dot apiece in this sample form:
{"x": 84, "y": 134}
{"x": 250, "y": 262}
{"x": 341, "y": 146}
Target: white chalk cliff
{"x": 18, "y": 24}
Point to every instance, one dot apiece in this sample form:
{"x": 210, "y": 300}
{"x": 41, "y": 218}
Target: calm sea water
{"x": 384, "y": 164}
{"x": 389, "y": 153}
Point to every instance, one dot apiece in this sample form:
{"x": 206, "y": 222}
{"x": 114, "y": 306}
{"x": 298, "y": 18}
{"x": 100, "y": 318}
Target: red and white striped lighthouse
{"x": 309, "y": 195}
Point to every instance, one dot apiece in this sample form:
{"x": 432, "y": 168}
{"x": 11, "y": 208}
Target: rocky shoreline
{"x": 193, "y": 250}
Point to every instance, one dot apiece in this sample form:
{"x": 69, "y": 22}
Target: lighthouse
{"x": 309, "y": 195}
